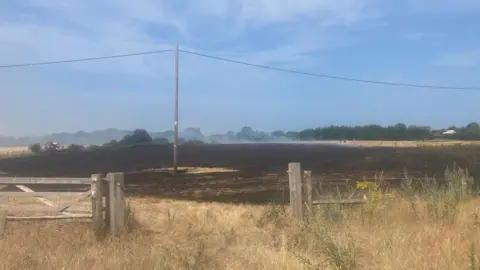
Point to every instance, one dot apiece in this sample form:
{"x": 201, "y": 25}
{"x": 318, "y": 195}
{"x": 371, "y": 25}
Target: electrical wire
{"x": 246, "y": 64}
{"x": 333, "y": 77}
{"x": 83, "y": 59}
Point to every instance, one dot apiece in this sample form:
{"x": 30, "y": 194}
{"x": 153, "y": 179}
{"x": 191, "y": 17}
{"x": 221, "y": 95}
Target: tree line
{"x": 395, "y": 132}
{"x": 367, "y": 132}
{"x": 138, "y": 136}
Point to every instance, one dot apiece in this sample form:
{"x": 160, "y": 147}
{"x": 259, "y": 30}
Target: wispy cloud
{"x": 444, "y": 6}
{"x": 416, "y": 36}
{"x": 464, "y": 59}
{"x": 65, "y": 29}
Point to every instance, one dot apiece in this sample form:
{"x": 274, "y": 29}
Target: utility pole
{"x": 175, "y": 123}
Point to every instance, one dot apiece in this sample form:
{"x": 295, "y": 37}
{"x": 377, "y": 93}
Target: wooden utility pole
{"x": 175, "y": 123}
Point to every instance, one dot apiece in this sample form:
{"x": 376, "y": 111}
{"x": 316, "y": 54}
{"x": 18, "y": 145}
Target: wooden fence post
{"x": 295, "y": 185}
{"x": 120, "y": 204}
{"x": 117, "y": 202}
{"x": 106, "y": 193}
{"x": 3, "y": 221}
{"x": 111, "y": 202}
{"x": 98, "y": 220}
{"x": 308, "y": 187}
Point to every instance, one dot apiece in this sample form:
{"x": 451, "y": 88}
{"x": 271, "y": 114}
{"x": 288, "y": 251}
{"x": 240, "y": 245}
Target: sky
{"x": 411, "y": 41}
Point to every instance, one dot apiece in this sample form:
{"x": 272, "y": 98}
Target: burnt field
{"x": 261, "y": 168}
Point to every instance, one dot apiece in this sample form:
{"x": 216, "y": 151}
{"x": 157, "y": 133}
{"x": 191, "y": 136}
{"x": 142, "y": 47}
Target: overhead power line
{"x": 83, "y": 59}
{"x": 333, "y": 77}
{"x": 246, "y": 64}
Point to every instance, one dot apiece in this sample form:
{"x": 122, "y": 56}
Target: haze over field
{"x": 398, "y": 132}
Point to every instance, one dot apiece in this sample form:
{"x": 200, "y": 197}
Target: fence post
{"x": 3, "y": 221}
{"x": 295, "y": 185}
{"x": 120, "y": 204}
{"x": 116, "y": 201}
{"x": 98, "y": 220}
{"x": 308, "y": 187}
{"x": 106, "y": 193}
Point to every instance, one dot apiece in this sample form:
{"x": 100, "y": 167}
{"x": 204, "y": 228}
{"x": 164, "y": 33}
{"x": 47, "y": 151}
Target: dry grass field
{"x": 437, "y": 230}
{"x": 186, "y": 235}
{"x": 440, "y": 143}
{"x": 412, "y": 144}
{"x": 22, "y": 150}
{"x": 14, "y": 151}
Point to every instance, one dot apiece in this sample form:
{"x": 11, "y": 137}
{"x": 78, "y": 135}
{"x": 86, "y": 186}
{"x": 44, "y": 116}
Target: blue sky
{"x": 419, "y": 42}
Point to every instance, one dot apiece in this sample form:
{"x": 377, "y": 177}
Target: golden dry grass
{"x": 14, "y": 151}
{"x": 188, "y": 235}
{"x": 413, "y": 144}
{"x": 195, "y": 170}
{"x": 440, "y": 143}
{"x": 23, "y": 150}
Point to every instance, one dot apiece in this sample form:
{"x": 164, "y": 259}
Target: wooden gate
{"x": 53, "y": 204}
{"x": 97, "y": 198}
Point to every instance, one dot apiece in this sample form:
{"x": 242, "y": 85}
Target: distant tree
{"x": 162, "y": 141}
{"x": 248, "y": 134}
{"x": 138, "y": 136}
{"x": 292, "y": 135}
{"x": 75, "y": 147}
{"x": 51, "y": 147}
{"x": 368, "y": 132}
{"x": 308, "y": 134}
{"x": 35, "y": 148}
{"x": 93, "y": 147}
{"x": 420, "y": 133}
{"x": 194, "y": 142}
{"x": 470, "y": 132}
{"x": 474, "y": 127}
{"x": 192, "y": 134}
{"x": 169, "y": 134}
{"x": 398, "y": 132}
{"x": 231, "y": 136}
{"x": 279, "y": 134}
{"x": 111, "y": 143}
